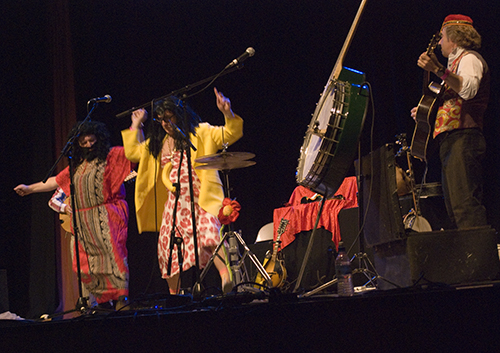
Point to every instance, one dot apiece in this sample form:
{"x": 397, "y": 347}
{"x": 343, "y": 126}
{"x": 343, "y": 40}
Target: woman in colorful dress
{"x": 99, "y": 173}
{"x": 162, "y": 158}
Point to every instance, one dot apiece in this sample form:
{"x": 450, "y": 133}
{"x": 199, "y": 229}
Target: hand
{"x": 139, "y": 116}
{"x": 413, "y": 113}
{"x": 68, "y": 210}
{"x": 22, "y": 190}
{"x": 223, "y": 103}
{"x": 428, "y": 63}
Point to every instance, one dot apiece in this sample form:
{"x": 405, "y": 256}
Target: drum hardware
{"x": 225, "y": 156}
{"x": 224, "y": 162}
{"x": 364, "y": 267}
{"x": 240, "y": 275}
{"x": 339, "y": 116}
{"x": 226, "y": 165}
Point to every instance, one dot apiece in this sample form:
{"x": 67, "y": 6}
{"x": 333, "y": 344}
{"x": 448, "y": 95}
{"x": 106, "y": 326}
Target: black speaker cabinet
{"x": 454, "y": 256}
{"x": 384, "y": 221}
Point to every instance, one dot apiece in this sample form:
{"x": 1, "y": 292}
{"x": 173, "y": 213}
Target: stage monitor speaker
{"x": 454, "y": 256}
{"x": 384, "y": 221}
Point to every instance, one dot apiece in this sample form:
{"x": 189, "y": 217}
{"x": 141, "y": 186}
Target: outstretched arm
{"x": 49, "y": 185}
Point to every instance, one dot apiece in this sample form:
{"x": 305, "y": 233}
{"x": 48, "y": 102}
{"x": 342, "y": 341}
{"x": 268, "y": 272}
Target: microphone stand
{"x": 173, "y": 239}
{"x": 182, "y": 90}
{"x": 178, "y": 241}
{"x": 81, "y": 304}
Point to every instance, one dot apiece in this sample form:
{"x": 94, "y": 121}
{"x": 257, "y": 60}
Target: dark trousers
{"x": 461, "y": 152}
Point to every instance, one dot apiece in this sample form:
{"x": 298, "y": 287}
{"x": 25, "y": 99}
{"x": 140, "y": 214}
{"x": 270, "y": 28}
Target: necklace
{"x": 168, "y": 147}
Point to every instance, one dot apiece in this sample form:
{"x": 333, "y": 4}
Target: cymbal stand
{"x": 236, "y": 260}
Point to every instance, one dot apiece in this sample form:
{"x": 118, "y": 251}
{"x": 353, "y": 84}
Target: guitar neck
{"x": 281, "y": 230}
{"x": 425, "y": 82}
{"x": 430, "y": 50}
{"x": 340, "y": 60}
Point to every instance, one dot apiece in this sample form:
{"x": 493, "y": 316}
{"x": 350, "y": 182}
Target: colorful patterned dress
{"x": 102, "y": 219}
{"x": 207, "y": 225}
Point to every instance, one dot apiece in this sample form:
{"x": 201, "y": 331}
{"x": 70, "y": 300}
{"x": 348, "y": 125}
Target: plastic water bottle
{"x": 343, "y": 272}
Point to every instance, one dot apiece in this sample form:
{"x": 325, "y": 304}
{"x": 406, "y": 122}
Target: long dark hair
{"x": 101, "y": 147}
{"x": 187, "y": 121}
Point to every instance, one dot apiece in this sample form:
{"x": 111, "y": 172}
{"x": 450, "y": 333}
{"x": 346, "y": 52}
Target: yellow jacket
{"x": 150, "y": 176}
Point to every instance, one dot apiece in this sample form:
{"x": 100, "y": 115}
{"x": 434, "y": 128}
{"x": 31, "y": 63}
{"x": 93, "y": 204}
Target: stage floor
{"x": 424, "y": 319}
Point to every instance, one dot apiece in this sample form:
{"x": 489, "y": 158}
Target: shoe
{"x": 227, "y": 287}
{"x": 122, "y": 303}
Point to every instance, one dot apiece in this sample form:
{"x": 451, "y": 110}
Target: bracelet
{"x": 446, "y": 74}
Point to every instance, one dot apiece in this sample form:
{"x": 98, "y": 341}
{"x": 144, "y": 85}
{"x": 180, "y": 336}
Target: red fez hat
{"x": 457, "y": 20}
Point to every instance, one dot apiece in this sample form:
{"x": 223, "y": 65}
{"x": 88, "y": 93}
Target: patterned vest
{"x": 457, "y": 113}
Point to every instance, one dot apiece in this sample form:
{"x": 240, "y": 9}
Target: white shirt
{"x": 470, "y": 69}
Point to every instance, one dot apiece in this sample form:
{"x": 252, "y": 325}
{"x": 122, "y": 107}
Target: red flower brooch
{"x": 229, "y": 212}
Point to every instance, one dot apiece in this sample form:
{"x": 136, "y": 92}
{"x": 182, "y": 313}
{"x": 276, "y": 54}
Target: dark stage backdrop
{"x": 139, "y": 50}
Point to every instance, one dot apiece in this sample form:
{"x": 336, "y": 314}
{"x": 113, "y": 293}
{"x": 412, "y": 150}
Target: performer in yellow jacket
{"x": 162, "y": 158}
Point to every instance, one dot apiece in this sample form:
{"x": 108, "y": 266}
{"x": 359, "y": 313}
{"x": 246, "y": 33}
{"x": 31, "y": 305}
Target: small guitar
{"x": 426, "y": 109}
{"x": 274, "y": 264}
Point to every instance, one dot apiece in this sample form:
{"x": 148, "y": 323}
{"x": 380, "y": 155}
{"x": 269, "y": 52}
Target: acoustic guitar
{"x": 274, "y": 264}
{"x": 426, "y": 109}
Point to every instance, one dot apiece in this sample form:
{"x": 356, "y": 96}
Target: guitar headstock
{"x": 131, "y": 176}
{"x": 282, "y": 227}
{"x": 434, "y": 42}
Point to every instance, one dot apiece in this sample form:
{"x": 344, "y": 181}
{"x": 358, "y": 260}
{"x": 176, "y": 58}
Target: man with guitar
{"x": 459, "y": 122}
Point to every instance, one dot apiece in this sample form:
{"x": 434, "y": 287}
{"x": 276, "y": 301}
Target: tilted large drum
{"x": 332, "y": 136}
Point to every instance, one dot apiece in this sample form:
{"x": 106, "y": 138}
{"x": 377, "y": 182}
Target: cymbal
{"x": 225, "y": 156}
{"x": 226, "y": 165}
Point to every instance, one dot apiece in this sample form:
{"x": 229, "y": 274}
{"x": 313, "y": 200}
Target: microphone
{"x": 248, "y": 53}
{"x": 105, "y": 99}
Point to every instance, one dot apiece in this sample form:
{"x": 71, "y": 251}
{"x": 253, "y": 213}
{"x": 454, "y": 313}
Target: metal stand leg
{"x": 237, "y": 262}
{"x": 364, "y": 267}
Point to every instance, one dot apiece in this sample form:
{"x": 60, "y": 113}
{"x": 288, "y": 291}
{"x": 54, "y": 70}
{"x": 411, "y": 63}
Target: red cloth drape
{"x": 302, "y": 217}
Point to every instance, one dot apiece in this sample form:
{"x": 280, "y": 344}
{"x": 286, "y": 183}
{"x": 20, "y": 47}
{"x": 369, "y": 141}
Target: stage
{"x": 425, "y": 319}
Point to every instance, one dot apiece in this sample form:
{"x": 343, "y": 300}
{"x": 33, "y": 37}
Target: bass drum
{"x": 332, "y": 136}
